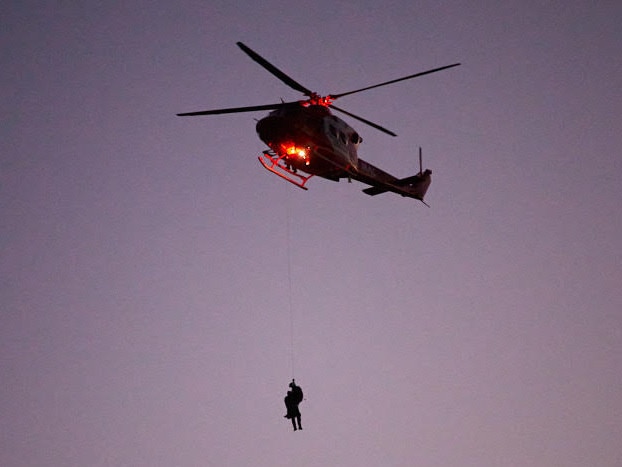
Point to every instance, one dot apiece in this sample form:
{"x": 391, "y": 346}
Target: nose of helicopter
{"x": 269, "y": 128}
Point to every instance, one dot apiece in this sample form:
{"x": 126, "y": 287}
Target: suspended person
{"x": 292, "y": 399}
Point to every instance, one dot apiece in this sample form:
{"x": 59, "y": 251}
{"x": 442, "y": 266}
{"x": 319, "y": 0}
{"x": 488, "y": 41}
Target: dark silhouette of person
{"x": 292, "y": 399}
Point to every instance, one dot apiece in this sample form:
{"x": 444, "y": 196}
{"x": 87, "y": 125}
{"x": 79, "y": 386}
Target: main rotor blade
{"x": 274, "y": 70}
{"x": 335, "y": 96}
{"x": 233, "y": 110}
{"x": 361, "y": 119}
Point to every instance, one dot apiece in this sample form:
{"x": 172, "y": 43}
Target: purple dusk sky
{"x": 148, "y": 262}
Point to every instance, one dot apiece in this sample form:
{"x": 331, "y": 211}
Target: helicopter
{"x": 305, "y": 139}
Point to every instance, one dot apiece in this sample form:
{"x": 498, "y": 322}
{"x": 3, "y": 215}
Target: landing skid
{"x": 277, "y": 165}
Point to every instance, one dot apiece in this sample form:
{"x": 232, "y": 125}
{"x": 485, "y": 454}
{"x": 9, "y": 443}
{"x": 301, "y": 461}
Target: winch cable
{"x": 289, "y": 280}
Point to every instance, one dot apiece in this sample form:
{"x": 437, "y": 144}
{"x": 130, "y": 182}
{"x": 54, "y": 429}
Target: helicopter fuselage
{"x": 312, "y": 140}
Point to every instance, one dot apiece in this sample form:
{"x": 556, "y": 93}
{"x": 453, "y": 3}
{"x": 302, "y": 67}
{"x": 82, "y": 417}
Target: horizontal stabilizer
{"x": 374, "y": 190}
{"x": 402, "y": 182}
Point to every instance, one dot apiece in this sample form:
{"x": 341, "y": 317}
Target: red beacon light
{"x": 316, "y": 99}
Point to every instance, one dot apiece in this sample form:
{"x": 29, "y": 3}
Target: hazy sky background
{"x": 144, "y": 287}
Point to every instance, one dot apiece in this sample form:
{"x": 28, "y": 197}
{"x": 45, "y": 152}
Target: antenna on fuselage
{"x": 420, "y": 162}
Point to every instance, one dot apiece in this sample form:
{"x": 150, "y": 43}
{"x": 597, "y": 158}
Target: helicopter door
{"x": 344, "y": 141}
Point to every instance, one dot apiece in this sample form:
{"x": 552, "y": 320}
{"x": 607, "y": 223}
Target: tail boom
{"x": 414, "y": 186}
